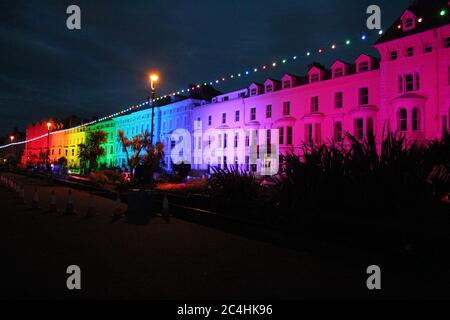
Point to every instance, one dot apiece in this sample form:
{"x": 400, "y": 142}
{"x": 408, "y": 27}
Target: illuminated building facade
{"x": 406, "y": 90}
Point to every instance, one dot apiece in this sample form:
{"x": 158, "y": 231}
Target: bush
{"x": 235, "y": 184}
{"x": 353, "y": 177}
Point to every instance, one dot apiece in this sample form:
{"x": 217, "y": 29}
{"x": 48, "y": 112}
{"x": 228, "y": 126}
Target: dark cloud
{"x": 48, "y": 70}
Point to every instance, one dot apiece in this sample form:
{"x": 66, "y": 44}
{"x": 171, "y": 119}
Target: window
{"x": 410, "y": 52}
{"x": 73, "y": 152}
{"x": 252, "y": 114}
{"x": 359, "y": 128}
{"x": 428, "y": 49}
{"x": 254, "y": 92}
{"x": 409, "y": 82}
{"x": 403, "y": 120}
{"x": 241, "y": 95}
{"x": 219, "y": 141}
{"x": 225, "y": 141}
{"x": 448, "y": 72}
{"x": 370, "y": 127}
{"x": 287, "y": 108}
{"x": 289, "y": 136}
{"x": 364, "y": 96}
{"x": 224, "y": 118}
{"x": 338, "y": 100}
{"x": 444, "y": 124}
{"x": 247, "y": 140}
{"x": 415, "y": 120}
{"x": 236, "y": 140}
{"x": 269, "y": 88}
{"x": 269, "y": 141}
{"x": 226, "y": 98}
{"x": 237, "y": 116}
{"x": 338, "y": 72}
{"x": 209, "y": 120}
{"x": 315, "y": 77}
{"x": 269, "y": 111}
{"x": 309, "y": 133}
{"x": 338, "y": 131}
{"x": 315, "y": 104}
{"x": 287, "y": 84}
{"x": 447, "y": 43}
{"x": 318, "y": 133}
{"x": 409, "y": 23}
{"x": 393, "y": 55}
{"x": 363, "y": 66}
{"x": 281, "y": 136}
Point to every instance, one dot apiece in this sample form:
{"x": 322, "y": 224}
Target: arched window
{"x": 415, "y": 120}
{"x": 403, "y": 120}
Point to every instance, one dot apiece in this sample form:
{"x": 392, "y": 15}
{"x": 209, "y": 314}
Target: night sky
{"x": 47, "y": 70}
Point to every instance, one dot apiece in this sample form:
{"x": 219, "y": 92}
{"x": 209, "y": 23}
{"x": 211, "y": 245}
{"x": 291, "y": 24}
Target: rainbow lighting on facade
{"x": 406, "y": 90}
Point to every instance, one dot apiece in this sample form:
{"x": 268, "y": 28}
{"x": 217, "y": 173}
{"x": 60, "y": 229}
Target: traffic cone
{"x": 91, "y": 208}
{"x": 53, "y": 208}
{"x": 118, "y": 210}
{"x": 69, "y": 207}
{"x": 165, "y": 209}
{"x": 35, "y": 202}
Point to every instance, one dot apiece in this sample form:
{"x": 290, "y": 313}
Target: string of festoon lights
{"x": 331, "y": 47}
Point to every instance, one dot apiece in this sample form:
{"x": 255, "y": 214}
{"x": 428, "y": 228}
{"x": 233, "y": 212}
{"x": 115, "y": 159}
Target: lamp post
{"x": 151, "y": 100}
{"x": 47, "y": 158}
{"x": 12, "y": 146}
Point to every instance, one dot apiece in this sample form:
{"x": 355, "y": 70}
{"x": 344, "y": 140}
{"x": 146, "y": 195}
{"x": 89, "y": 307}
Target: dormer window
{"x": 338, "y": 72}
{"x": 287, "y": 84}
{"x": 253, "y": 92}
{"x": 315, "y": 77}
{"x": 408, "y": 21}
{"x": 226, "y": 98}
{"x": 269, "y": 88}
{"x": 363, "y": 66}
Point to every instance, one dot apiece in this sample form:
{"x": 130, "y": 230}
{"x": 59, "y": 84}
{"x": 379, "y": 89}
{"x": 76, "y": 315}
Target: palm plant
{"x": 133, "y": 149}
{"x": 92, "y": 150}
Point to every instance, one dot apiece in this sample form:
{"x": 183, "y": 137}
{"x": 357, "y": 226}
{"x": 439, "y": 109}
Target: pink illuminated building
{"x": 406, "y": 90}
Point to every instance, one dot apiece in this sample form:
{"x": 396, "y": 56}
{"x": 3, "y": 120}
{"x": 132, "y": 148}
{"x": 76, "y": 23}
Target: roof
{"x": 428, "y": 10}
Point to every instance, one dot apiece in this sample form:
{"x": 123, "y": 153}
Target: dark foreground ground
{"x": 165, "y": 261}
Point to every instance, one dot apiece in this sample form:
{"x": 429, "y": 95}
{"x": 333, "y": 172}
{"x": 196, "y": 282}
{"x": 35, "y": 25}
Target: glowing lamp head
{"x": 49, "y": 125}
{"x": 12, "y": 138}
{"x": 153, "y": 79}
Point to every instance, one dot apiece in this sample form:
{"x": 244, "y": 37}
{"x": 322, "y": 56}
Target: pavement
{"x": 157, "y": 260}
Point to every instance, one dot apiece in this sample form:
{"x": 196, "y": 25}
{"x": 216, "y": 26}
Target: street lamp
{"x": 48, "y": 143}
{"x": 153, "y": 80}
{"x": 13, "y": 150}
